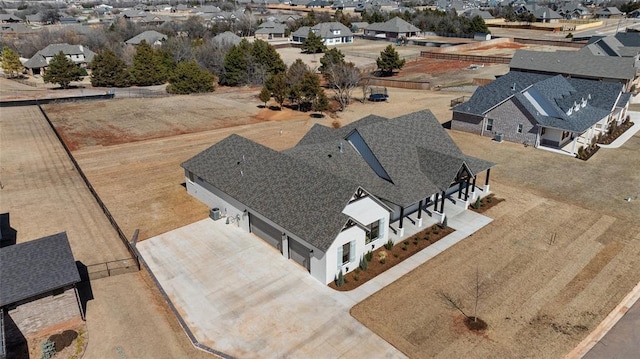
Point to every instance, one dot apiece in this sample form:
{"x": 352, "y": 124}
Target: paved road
{"x": 622, "y": 341}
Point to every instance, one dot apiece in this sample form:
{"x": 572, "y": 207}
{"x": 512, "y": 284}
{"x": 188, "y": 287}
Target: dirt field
{"x": 541, "y": 297}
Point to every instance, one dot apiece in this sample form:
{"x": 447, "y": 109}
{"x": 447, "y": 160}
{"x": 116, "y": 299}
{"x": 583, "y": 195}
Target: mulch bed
{"x": 399, "y": 252}
{"x": 486, "y": 203}
{"x": 617, "y": 133}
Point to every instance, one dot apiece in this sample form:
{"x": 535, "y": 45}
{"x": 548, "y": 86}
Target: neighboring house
{"x": 393, "y": 29}
{"x": 38, "y": 286}
{"x": 339, "y": 193}
{"x": 151, "y": 37}
{"x": 574, "y": 12}
{"x": 320, "y": 4}
{"x": 77, "y": 53}
{"x": 577, "y": 64}
{"x": 344, "y": 4}
{"x": 227, "y": 38}
{"x": 271, "y": 30}
{"x": 14, "y": 27}
{"x": 543, "y": 110}
{"x": 332, "y": 33}
{"x": 358, "y": 27}
{"x": 471, "y": 13}
{"x": 541, "y": 13}
{"x": 622, "y": 44}
{"x": 8, "y": 18}
{"x": 609, "y": 13}
{"x": 35, "y": 19}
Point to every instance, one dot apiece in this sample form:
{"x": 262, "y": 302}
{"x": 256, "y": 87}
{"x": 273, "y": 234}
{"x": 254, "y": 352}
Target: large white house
{"x": 339, "y": 193}
{"x": 332, "y": 33}
{"x": 38, "y": 63}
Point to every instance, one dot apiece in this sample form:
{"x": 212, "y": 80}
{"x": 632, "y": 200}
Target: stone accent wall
{"x": 466, "y": 122}
{"x": 46, "y": 311}
{"x": 506, "y": 119}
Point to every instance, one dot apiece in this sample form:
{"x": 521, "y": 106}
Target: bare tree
{"x": 343, "y": 78}
{"x": 365, "y": 83}
{"x": 476, "y": 290}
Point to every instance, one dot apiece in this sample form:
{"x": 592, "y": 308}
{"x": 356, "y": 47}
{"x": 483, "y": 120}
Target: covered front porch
{"x": 433, "y": 209}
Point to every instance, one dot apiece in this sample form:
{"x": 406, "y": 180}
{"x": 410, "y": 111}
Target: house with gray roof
{"x": 622, "y": 44}
{"x": 39, "y": 62}
{"x": 151, "y": 37}
{"x": 544, "y": 111}
{"x": 577, "y": 64}
{"x": 271, "y": 30}
{"x": 339, "y": 193}
{"x": 332, "y": 33}
{"x": 226, "y": 38}
{"x": 609, "y": 13}
{"x": 38, "y": 286}
{"x": 392, "y": 29}
{"x": 9, "y": 18}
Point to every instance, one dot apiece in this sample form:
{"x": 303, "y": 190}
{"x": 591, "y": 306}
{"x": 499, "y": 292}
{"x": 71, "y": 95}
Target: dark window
{"x": 543, "y": 130}
{"x": 520, "y": 128}
{"x": 345, "y": 253}
{"x": 489, "y": 124}
{"x": 374, "y": 232}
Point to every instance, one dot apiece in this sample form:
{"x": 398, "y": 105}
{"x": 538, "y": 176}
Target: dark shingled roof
{"x": 407, "y": 147}
{"x": 36, "y": 267}
{"x": 559, "y": 94}
{"x": 285, "y": 190}
{"x": 575, "y": 63}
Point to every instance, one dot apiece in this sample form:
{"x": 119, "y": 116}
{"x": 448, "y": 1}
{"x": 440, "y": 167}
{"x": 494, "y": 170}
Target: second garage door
{"x": 298, "y": 252}
{"x": 265, "y": 231}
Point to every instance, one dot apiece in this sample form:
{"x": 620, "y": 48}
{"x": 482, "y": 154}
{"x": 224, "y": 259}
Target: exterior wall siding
{"x": 466, "y": 122}
{"x": 506, "y": 119}
{"x": 44, "y": 312}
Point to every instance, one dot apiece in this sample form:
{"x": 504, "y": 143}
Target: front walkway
{"x": 240, "y": 296}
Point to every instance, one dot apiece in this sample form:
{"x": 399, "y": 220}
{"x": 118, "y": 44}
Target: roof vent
{"x": 513, "y": 87}
{"x": 341, "y": 147}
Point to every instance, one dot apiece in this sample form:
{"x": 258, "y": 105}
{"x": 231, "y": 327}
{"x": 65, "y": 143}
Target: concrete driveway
{"x": 241, "y": 297}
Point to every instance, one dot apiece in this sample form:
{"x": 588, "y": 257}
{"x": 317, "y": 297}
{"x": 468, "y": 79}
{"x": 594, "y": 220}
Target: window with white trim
{"x": 346, "y": 248}
{"x": 489, "y": 126}
{"x": 373, "y": 231}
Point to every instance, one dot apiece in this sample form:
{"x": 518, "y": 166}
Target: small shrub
{"x": 569, "y": 36}
{"x": 383, "y": 261}
{"x": 415, "y": 241}
{"x": 48, "y": 349}
{"x": 340, "y": 279}
{"x": 364, "y": 263}
{"x": 388, "y": 245}
{"x": 427, "y": 237}
{"x": 444, "y": 222}
{"x": 357, "y": 270}
{"x": 336, "y": 123}
{"x": 436, "y": 231}
{"x": 382, "y": 256}
{"x": 476, "y": 205}
{"x": 395, "y": 255}
{"x": 406, "y": 242}
{"x": 404, "y": 247}
{"x": 369, "y": 256}
{"x": 356, "y": 277}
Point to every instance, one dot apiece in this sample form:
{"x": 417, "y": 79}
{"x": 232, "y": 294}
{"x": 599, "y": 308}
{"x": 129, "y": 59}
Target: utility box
{"x": 214, "y": 213}
{"x": 499, "y": 137}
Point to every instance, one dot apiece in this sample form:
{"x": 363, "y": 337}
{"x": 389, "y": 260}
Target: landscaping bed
{"x": 615, "y": 132}
{"x": 484, "y": 203}
{"x": 388, "y": 256}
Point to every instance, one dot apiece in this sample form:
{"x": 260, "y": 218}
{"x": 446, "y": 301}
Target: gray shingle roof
{"x": 149, "y": 36}
{"x": 557, "y": 95}
{"x": 324, "y": 30}
{"x": 405, "y": 147}
{"x": 227, "y": 38}
{"x": 39, "y": 59}
{"x": 289, "y": 192}
{"x": 575, "y": 63}
{"x": 36, "y": 267}
{"x": 396, "y": 24}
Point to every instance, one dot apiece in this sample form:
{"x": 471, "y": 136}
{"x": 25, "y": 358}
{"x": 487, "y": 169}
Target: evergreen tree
{"x": 236, "y": 64}
{"x": 265, "y": 95}
{"x": 321, "y": 102}
{"x": 147, "y": 69}
{"x": 188, "y": 78}
{"x": 330, "y": 58}
{"x": 389, "y": 60}
{"x": 309, "y": 88}
{"x": 62, "y": 71}
{"x": 11, "y": 64}
{"x": 277, "y": 84}
{"x": 296, "y": 72}
{"x": 266, "y": 55}
{"x": 108, "y": 70}
{"x": 313, "y": 44}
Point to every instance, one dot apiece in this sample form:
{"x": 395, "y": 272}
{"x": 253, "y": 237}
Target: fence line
{"x": 469, "y": 58}
{"x": 44, "y": 101}
{"x": 399, "y": 83}
{"x": 130, "y": 92}
{"x": 104, "y": 208}
{"x": 565, "y": 43}
{"x": 111, "y": 268}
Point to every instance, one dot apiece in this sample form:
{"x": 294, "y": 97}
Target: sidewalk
{"x": 465, "y": 223}
{"x": 635, "y": 117}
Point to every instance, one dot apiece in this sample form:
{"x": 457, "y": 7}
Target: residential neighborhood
{"x": 319, "y": 179}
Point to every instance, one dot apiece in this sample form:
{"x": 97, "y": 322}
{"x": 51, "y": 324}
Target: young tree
{"x": 147, "y": 69}
{"x": 313, "y": 44}
{"x": 277, "y": 84}
{"x": 296, "y": 72}
{"x": 265, "y": 95}
{"x": 343, "y": 79}
{"x": 108, "y": 70}
{"x": 62, "y": 71}
{"x": 188, "y": 78}
{"x": 389, "y": 60}
{"x": 321, "y": 103}
{"x": 309, "y": 88}
{"x": 11, "y": 64}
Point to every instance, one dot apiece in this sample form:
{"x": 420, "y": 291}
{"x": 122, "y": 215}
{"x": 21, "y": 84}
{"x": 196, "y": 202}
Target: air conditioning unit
{"x": 214, "y": 213}
{"x": 498, "y": 137}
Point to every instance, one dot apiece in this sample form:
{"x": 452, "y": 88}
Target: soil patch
{"x": 475, "y": 323}
{"x": 483, "y": 204}
{"x": 383, "y": 258}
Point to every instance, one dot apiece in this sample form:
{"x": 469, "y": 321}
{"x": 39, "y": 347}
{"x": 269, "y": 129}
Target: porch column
{"x": 285, "y": 246}
{"x": 575, "y": 141}
{"x": 466, "y": 191}
{"x": 435, "y": 203}
{"x": 473, "y": 188}
{"x": 442, "y": 202}
{"x": 460, "y": 190}
{"x": 420, "y": 214}
{"x": 400, "y": 229}
{"x": 486, "y": 181}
